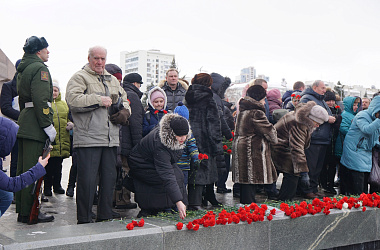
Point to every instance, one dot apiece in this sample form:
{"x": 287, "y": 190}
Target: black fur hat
{"x": 34, "y": 44}
{"x": 257, "y": 92}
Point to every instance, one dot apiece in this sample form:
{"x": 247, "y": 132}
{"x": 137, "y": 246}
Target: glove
{"x": 121, "y": 117}
{"x": 69, "y": 126}
{"x": 305, "y": 180}
{"x": 50, "y": 131}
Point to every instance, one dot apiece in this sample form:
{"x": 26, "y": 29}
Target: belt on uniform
{"x": 30, "y": 104}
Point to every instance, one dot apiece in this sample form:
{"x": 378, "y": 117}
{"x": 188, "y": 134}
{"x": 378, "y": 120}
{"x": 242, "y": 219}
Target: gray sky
{"x": 294, "y": 39}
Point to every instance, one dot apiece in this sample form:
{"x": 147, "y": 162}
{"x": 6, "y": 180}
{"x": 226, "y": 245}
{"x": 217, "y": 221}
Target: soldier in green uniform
{"x": 35, "y": 90}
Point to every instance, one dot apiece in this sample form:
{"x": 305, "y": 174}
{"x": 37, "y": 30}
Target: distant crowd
{"x": 178, "y": 149}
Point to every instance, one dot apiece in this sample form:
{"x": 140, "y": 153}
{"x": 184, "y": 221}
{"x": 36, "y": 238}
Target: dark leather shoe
{"x": 310, "y": 196}
{"x": 319, "y": 195}
{"x": 223, "y": 190}
{"x": 42, "y": 217}
{"x": 47, "y": 192}
{"x": 44, "y": 199}
{"x": 115, "y": 215}
{"x": 70, "y": 191}
{"x": 131, "y": 205}
{"x": 59, "y": 190}
{"x": 194, "y": 208}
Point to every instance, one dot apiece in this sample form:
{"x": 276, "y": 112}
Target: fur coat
{"x": 294, "y": 134}
{"x": 251, "y": 156}
{"x": 205, "y": 123}
{"x": 158, "y": 181}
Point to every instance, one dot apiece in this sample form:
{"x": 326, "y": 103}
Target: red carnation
{"x": 165, "y": 112}
{"x": 231, "y": 139}
{"x": 134, "y": 223}
{"x": 273, "y": 211}
{"x": 155, "y": 112}
{"x": 179, "y": 225}
{"x": 225, "y": 147}
{"x": 130, "y": 226}
{"x": 293, "y": 95}
{"x": 270, "y": 217}
{"x": 233, "y": 133}
{"x": 196, "y": 227}
{"x": 298, "y": 96}
{"x": 364, "y": 208}
{"x": 205, "y": 156}
{"x": 189, "y": 225}
{"x": 337, "y": 107}
{"x": 293, "y": 215}
{"x": 200, "y": 156}
{"x": 229, "y": 151}
{"x": 141, "y": 223}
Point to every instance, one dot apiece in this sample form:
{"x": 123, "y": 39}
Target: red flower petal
{"x": 196, "y": 227}
{"x": 155, "y": 112}
{"x": 179, "y": 225}
{"x": 141, "y": 223}
{"x": 200, "y": 156}
{"x": 364, "y": 208}
{"x": 165, "y": 112}
{"x": 229, "y": 151}
{"x": 270, "y": 217}
{"x": 205, "y": 156}
{"x": 130, "y": 226}
{"x": 225, "y": 147}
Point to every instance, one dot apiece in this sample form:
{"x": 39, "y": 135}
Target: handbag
{"x": 374, "y": 176}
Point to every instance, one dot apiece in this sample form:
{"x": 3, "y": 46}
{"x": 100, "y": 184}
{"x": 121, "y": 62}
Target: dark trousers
{"x": 288, "y": 187}
{"x": 355, "y": 182}
{"x": 73, "y": 169}
{"x": 328, "y": 171}
{"x": 91, "y": 161}
{"x": 53, "y": 173}
{"x": 14, "y": 156}
{"x": 29, "y": 151}
{"x": 222, "y": 179}
{"x": 315, "y": 156}
{"x": 247, "y": 193}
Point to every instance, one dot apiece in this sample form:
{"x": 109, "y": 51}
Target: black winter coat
{"x": 8, "y": 92}
{"x": 158, "y": 181}
{"x": 322, "y": 135}
{"x": 132, "y": 134}
{"x": 205, "y": 124}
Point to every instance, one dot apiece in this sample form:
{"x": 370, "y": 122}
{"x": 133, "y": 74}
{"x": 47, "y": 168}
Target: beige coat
{"x": 93, "y": 127}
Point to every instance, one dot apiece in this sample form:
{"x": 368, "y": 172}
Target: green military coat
{"x": 34, "y": 85}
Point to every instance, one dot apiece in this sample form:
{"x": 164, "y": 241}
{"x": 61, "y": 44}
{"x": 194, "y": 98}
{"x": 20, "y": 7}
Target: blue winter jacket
{"x": 322, "y": 135}
{"x": 347, "y": 116}
{"x": 362, "y": 136}
{"x": 8, "y": 132}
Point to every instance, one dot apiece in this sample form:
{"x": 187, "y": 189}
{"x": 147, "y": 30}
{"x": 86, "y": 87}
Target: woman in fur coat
{"x": 158, "y": 182}
{"x": 251, "y": 156}
{"x": 205, "y": 124}
{"x": 294, "y": 134}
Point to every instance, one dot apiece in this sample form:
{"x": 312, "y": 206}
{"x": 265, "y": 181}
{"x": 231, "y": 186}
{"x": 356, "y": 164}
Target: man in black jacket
{"x": 9, "y": 108}
{"x": 174, "y": 88}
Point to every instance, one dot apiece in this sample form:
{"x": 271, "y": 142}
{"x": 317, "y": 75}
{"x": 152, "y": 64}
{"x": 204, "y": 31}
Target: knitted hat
{"x": 318, "y": 114}
{"x": 274, "y": 93}
{"x": 156, "y": 94}
{"x": 182, "y": 110}
{"x": 56, "y": 84}
{"x": 114, "y": 70}
{"x": 256, "y": 92}
{"x": 34, "y": 44}
{"x": 133, "y": 77}
{"x": 179, "y": 125}
{"x": 329, "y": 95}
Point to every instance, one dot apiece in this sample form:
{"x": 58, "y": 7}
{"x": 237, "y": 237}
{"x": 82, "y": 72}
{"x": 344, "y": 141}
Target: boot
{"x": 42, "y": 217}
{"x": 70, "y": 191}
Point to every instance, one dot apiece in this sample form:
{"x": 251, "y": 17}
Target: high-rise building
{"x": 247, "y": 74}
{"x": 150, "y": 64}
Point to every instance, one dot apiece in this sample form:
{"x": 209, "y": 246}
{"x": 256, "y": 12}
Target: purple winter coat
{"x": 8, "y": 132}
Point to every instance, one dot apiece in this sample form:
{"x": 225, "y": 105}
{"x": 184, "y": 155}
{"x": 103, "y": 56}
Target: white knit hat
{"x": 318, "y": 114}
{"x": 56, "y": 84}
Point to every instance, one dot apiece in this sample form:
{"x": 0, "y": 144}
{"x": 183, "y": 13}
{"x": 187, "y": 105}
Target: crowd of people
{"x": 172, "y": 154}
